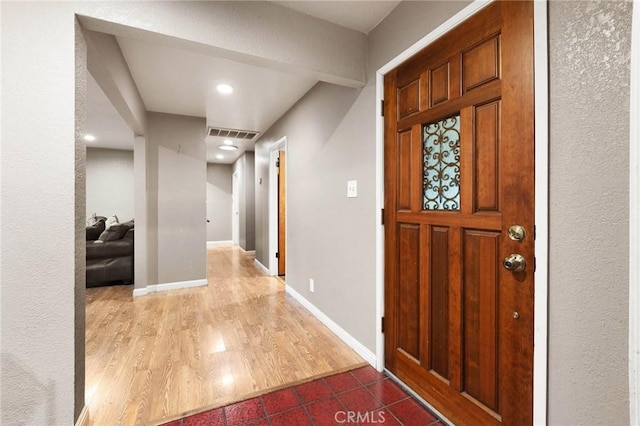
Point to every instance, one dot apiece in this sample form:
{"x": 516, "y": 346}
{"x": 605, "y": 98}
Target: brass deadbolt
{"x": 517, "y": 233}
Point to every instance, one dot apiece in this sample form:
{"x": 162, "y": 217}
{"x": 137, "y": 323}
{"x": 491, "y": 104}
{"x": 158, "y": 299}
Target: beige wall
{"x": 110, "y": 183}
{"x": 589, "y": 45}
{"x": 330, "y": 140}
{"x": 245, "y": 167}
{"x": 176, "y": 152}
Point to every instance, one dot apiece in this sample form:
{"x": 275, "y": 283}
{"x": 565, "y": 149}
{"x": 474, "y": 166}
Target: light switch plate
{"x": 352, "y": 189}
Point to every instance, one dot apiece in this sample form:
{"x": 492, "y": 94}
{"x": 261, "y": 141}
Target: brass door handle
{"x": 514, "y": 263}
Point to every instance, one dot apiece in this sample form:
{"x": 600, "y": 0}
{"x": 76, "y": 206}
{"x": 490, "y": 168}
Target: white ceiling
{"x": 361, "y": 15}
{"x": 182, "y": 82}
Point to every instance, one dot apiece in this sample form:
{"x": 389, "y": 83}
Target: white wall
{"x": 219, "y": 197}
{"x": 110, "y": 183}
{"x": 176, "y": 161}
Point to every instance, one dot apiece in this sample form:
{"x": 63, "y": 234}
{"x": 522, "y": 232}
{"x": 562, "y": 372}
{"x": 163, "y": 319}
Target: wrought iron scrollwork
{"x": 441, "y": 175}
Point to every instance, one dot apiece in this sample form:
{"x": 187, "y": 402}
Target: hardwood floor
{"x": 174, "y": 352}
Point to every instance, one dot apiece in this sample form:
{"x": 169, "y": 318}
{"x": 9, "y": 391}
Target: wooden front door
{"x": 459, "y": 173}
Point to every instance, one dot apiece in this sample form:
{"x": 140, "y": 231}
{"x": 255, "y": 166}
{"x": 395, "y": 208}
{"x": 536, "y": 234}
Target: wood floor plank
{"x": 164, "y": 354}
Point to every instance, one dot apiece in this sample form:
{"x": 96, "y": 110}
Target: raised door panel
{"x": 480, "y": 322}
{"x": 408, "y": 295}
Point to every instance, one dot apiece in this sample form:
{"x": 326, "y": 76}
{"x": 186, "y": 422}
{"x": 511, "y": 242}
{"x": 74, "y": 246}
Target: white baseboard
{"x": 219, "y": 243}
{"x": 168, "y": 286}
{"x": 347, "y": 338}
{"x": 83, "y": 418}
{"x": 261, "y": 267}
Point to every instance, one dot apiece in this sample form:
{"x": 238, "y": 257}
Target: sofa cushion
{"x": 94, "y": 231}
{"x": 98, "y": 249}
{"x": 111, "y": 220}
{"x": 114, "y": 232}
{"x": 106, "y": 271}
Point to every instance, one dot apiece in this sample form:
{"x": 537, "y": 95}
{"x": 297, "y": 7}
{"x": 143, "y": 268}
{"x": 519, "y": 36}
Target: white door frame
{"x": 634, "y": 221}
{"x": 280, "y": 145}
{"x": 541, "y": 191}
{"x": 235, "y": 209}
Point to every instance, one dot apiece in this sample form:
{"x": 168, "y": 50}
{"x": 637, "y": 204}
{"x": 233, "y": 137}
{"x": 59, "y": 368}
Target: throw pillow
{"x": 91, "y": 220}
{"x": 94, "y": 231}
{"x": 114, "y": 232}
{"x": 111, "y": 221}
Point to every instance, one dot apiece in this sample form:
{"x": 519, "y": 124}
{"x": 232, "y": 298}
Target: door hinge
{"x": 382, "y": 107}
{"x": 382, "y": 324}
{"x": 382, "y": 216}
{"x": 535, "y": 232}
{"x": 278, "y": 255}
{"x": 277, "y": 163}
{"x": 535, "y": 264}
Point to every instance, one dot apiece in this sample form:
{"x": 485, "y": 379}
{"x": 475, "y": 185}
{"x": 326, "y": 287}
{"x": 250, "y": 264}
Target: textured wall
{"x": 177, "y": 152}
{"x": 40, "y": 258}
{"x": 219, "y": 202}
{"x": 110, "y": 183}
{"x": 588, "y": 266}
{"x": 80, "y": 232}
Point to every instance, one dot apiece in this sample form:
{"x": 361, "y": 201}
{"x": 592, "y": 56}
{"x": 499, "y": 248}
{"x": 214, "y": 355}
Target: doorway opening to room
{"x": 278, "y": 208}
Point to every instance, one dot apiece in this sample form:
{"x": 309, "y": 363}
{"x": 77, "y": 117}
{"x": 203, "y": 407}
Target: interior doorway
{"x": 281, "y": 165}
{"x": 277, "y": 208}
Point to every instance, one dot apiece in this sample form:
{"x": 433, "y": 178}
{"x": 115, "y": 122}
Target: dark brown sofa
{"x": 110, "y": 257}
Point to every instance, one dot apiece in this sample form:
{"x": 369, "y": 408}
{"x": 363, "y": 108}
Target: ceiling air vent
{"x": 232, "y": 133}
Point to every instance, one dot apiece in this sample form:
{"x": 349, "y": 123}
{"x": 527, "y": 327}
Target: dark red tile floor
{"x": 358, "y": 397}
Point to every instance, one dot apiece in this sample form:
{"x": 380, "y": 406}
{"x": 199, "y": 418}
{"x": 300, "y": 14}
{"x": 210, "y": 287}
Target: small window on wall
{"x": 441, "y": 164}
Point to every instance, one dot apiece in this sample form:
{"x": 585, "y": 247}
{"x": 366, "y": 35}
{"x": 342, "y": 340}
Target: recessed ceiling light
{"x": 225, "y": 89}
{"x": 227, "y": 142}
{"x": 219, "y": 156}
{"x": 89, "y": 138}
{"x": 228, "y": 147}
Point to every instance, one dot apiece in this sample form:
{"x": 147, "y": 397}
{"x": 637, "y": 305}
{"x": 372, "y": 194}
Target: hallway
{"x": 173, "y": 352}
